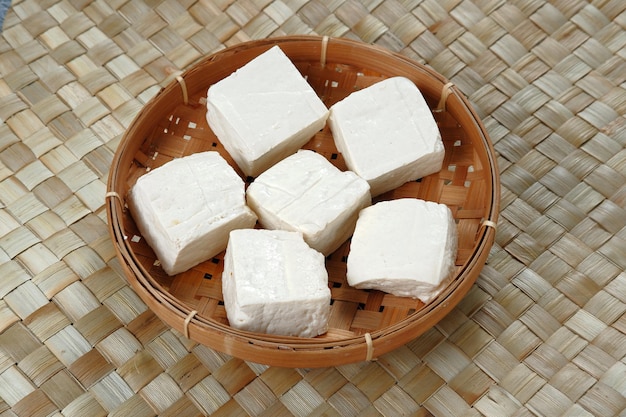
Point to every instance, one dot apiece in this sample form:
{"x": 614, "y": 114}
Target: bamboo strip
{"x": 25, "y": 299}
{"x": 90, "y": 368}
{"x": 97, "y": 324}
{"x": 616, "y": 285}
{"x": 557, "y": 305}
{"x": 446, "y": 402}
{"x": 146, "y": 327}
{"x": 7, "y": 316}
{"x": 349, "y": 401}
{"x": 421, "y": 383}
{"x": 187, "y": 372}
{"x": 603, "y": 400}
{"x": 585, "y": 325}
{"x": 36, "y": 258}
{"x": 471, "y": 383}
{"x": 182, "y": 408}
{"x": 76, "y": 175}
{"x": 495, "y": 361}
{"x": 234, "y": 375}
{"x": 105, "y": 283}
{"x": 54, "y": 38}
{"x": 259, "y": 27}
{"x": 76, "y": 300}
{"x": 577, "y": 287}
{"x": 26, "y": 207}
{"x": 85, "y": 404}
{"x": 255, "y": 397}
{"x": 63, "y": 242}
{"x": 17, "y": 349}
{"x": 17, "y": 156}
{"x": 610, "y": 341}
{"x": 333, "y": 26}
{"x": 546, "y": 361}
{"x": 161, "y": 392}
{"x": 58, "y": 159}
{"x": 497, "y": 401}
{"x": 605, "y": 180}
{"x": 373, "y": 381}
{"x": 572, "y": 381}
{"x": 103, "y": 49}
{"x": 471, "y": 338}
{"x": 15, "y": 386}
{"x": 447, "y": 361}
{"x": 395, "y": 402}
{"x": 523, "y": 383}
{"x": 119, "y": 347}
{"x": 41, "y": 142}
{"x": 519, "y": 340}
{"x": 549, "y": 400}
{"x": 84, "y": 261}
{"x": 35, "y": 404}
{"x": 91, "y": 194}
{"x": 279, "y": 12}
{"x": 135, "y": 406}
{"x": 10, "y": 105}
{"x": 112, "y": 392}
{"x": 68, "y": 345}
{"x": 593, "y": 360}
{"x": 167, "y": 349}
{"x": 124, "y": 303}
{"x": 46, "y": 321}
{"x": 208, "y": 395}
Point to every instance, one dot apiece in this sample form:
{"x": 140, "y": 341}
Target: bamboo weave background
{"x": 543, "y": 331}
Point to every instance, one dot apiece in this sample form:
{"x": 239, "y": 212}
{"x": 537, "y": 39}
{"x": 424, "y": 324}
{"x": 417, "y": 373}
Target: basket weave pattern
{"x": 174, "y": 125}
{"x": 542, "y": 331}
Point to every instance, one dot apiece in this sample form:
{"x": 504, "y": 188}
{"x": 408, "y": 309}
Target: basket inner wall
{"x": 461, "y": 184}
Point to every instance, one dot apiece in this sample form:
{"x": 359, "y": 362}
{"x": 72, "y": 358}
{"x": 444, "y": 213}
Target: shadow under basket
{"x": 364, "y": 324}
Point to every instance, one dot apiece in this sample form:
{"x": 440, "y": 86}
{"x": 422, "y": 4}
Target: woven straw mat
{"x": 543, "y": 330}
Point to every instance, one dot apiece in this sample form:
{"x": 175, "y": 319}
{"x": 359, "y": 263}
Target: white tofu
{"x": 264, "y": 111}
{"x": 186, "y": 208}
{"x": 406, "y": 247}
{"x": 387, "y": 134}
{"x": 273, "y": 282}
{"x": 306, "y": 193}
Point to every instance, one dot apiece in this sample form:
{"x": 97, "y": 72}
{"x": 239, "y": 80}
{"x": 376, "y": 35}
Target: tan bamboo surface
{"x": 542, "y": 332}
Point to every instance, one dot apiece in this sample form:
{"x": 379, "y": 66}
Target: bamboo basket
{"x": 363, "y": 324}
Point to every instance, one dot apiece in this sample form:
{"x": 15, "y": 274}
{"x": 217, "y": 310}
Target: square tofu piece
{"x": 186, "y": 208}
{"x": 387, "y": 134}
{"x": 406, "y": 247}
{"x": 273, "y": 282}
{"x": 264, "y": 111}
{"x": 306, "y": 193}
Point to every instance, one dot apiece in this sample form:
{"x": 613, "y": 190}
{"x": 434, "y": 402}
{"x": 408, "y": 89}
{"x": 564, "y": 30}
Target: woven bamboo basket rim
{"x": 144, "y": 146}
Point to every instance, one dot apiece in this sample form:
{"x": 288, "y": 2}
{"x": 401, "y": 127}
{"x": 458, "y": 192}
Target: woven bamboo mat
{"x": 543, "y": 331}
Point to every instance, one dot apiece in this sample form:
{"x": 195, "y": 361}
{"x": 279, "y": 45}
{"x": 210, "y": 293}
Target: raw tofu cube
{"x": 306, "y": 193}
{"x": 264, "y": 111}
{"x": 387, "y": 134}
{"x": 273, "y": 282}
{"x": 406, "y": 247}
{"x": 186, "y": 208}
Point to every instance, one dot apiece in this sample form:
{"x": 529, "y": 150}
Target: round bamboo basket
{"x": 363, "y": 324}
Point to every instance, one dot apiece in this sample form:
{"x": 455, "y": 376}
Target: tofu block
{"x": 387, "y": 134}
{"x": 306, "y": 193}
{"x": 405, "y": 247}
{"x": 264, "y": 111}
{"x": 273, "y": 282}
{"x": 186, "y": 208}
